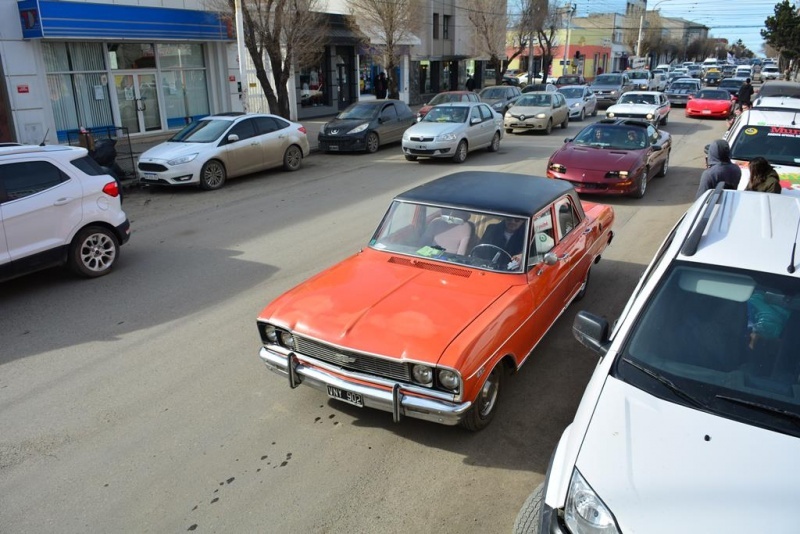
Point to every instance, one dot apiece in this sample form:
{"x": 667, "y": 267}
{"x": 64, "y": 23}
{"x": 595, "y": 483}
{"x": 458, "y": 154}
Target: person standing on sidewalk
{"x": 380, "y": 86}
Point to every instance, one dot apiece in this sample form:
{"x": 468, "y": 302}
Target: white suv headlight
{"x": 585, "y": 512}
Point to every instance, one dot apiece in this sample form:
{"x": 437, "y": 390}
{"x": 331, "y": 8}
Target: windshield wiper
{"x": 666, "y": 382}
{"x": 763, "y": 407}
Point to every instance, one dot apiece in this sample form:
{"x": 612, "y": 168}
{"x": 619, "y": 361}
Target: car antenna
{"x": 793, "y": 118}
{"x": 791, "y": 268}
{"x": 48, "y": 131}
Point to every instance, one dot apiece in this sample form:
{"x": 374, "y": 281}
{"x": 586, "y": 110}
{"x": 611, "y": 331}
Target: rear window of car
{"x": 88, "y": 166}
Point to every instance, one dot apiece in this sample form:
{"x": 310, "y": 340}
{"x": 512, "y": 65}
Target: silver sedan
{"x": 452, "y": 130}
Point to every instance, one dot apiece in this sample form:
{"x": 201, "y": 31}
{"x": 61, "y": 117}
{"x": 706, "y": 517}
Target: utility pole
{"x": 641, "y": 24}
{"x": 570, "y": 11}
{"x": 240, "y": 50}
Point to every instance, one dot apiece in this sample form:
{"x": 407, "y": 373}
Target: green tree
{"x": 782, "y": 30}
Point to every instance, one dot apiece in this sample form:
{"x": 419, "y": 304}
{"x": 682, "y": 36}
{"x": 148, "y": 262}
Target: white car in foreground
{"x": 209, "y": 151}
{"x": 58, "y": 207}
{"x": 452, "y": 130}
{"x": 690, "y": 422}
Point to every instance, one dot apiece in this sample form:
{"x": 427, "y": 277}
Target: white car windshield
{"x": 535, "y": 101}
{"x": 446, "y": 113}
{"x": 724, "y": 340}
{"x": 571, "y": 92}
{"x": 637, "y": 99}
{"x": 779, "y": 144}
{"x": 453, "y": 235}
{"x": 202, "y": 131}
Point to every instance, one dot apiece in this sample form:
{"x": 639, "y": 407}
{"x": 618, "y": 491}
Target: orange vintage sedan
{"x": 462, "y": 279}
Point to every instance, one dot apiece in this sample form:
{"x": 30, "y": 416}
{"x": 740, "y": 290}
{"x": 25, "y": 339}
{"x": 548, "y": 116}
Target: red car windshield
{"x": 614, "y": 137}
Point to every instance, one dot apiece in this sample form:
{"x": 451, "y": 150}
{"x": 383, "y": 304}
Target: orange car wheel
{"x": 483, "y": 409}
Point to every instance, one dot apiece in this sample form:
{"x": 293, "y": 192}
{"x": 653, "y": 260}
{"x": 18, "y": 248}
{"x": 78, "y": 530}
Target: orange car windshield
{"x": 454, "y": 235}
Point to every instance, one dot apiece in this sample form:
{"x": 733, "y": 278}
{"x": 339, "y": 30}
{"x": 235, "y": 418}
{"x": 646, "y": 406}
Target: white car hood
{"x": 435, "y": 128}
{"x": 640, "y": 109}
{"x": 665, "y": 468}
{"x": 171, "y": 150}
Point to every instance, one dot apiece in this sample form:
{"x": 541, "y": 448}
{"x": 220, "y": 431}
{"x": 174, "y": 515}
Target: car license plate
{"x": 333, "y": 147}
{"x": 356, "y": 399}
{"x": 706, "y": 112}
{"x": 150, "y": 176}
{"x": 422, "y": 147}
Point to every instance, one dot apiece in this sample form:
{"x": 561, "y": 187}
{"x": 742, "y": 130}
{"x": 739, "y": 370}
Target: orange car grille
{"x": 353, "y": 361}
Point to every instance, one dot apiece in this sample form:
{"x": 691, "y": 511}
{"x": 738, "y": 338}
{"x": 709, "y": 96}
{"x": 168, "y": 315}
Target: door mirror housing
{"x": 232, "y": 138}
{"x": 591, "y": 331}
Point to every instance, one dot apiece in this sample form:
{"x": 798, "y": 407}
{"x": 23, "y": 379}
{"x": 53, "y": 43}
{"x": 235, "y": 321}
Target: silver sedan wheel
{"x": 212, "y": 175}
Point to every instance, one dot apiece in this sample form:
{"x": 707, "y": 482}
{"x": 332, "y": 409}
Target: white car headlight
{"x": 183, "y": 159}
{"x": 447, "y": 137}
{"x": 541, "y": 115}
{"x": 271, "y": 333}
{"x": 585, "y": 512}
{"x": 359, "y": 128}
{"x": 498, "y": 105}
{"x": 422, "y": 374}
{"x": 406, "y": 136}
{"x": 649, "y": 116}
{"x": 576, "y": 105}
{"x": 610, "y": 114}
{"x": 614, "y": 92}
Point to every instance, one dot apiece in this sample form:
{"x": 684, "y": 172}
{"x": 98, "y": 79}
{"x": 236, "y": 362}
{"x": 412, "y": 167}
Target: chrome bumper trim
{"x": 394, "y": 401}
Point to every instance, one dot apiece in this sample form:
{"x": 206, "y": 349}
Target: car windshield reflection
{"x": 359, "y": 112}
{"x": 614, "y": 137}
{"x": 446, "y": 114}
{"x": 452, "y": 235}
{"x": 721, "y": 335}
{"x": 202, "y": 131}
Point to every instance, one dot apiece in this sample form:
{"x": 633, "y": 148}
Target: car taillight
{"x": 111, "y": 189}
{"x": 302, "y": 129}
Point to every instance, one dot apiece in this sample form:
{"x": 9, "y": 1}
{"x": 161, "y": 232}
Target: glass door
{"x": 137, "y": 98}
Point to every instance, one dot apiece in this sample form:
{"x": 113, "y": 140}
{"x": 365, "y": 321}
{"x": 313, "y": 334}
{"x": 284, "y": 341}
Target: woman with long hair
{"x": 763, "y": 177}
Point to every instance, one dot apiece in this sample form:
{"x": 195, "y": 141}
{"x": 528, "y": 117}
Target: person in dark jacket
{"x": 381, "y": 86}
{"x": 763, "y": 177}
{"x": 508, "y": 235}
{"x": 720, "y": 168}
{"x": 745, "y": 93}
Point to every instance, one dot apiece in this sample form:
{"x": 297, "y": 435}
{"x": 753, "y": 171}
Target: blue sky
{"x": 731, "y": 19}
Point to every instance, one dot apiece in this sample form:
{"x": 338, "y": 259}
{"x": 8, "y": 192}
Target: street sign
{"x": 561, "y": 62}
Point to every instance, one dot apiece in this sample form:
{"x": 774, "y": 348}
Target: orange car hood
{"x": 389, "y": 305}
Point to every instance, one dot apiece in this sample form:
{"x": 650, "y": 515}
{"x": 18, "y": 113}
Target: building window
{"x": 313, "y": 87}
{"x": 183, "y": 83}
{"x": 78, "y": 86}
{"x": 445, "y": 26}
{"x": 435, "y": 25}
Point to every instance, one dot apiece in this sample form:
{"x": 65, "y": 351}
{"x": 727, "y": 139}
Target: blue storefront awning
{"x": 47, "y": 19}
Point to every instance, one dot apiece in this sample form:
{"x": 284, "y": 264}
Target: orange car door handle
{"x": 62, "y": 201}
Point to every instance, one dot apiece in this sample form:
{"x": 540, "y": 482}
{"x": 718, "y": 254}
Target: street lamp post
{"x": 570, "y": 12}
{"x": 641, "y": 26}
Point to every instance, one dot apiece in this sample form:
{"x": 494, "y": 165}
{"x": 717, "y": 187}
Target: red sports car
{"x": 716, "y": 103}
{"x": 612, "y": 157}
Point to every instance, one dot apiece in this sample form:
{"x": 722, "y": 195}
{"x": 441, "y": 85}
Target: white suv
{"x": 691, "y": 419}
{"x": 57, "y": 206}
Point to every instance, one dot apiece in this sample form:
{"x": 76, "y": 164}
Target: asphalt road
{"x": 137, "y": 403}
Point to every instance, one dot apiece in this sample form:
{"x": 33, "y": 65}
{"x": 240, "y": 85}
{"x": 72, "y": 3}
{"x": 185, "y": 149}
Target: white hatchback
{"x": 57, "y": 206}
{"x": 209, "y": 151}
{"x": 690, "y": 422}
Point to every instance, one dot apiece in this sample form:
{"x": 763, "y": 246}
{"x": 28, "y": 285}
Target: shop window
{"x": 180, "y": 56}
{"x": 185, "y": 94}
{"x": 313, "y": 86}
{"x": 131, "y": 56}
